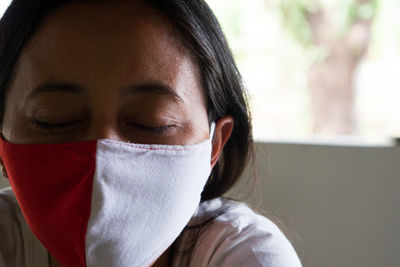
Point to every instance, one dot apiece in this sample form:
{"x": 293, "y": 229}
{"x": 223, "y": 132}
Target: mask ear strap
{"x": 212, "y": 129}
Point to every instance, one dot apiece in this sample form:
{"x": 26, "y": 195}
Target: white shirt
{"x": 237, "y": 237}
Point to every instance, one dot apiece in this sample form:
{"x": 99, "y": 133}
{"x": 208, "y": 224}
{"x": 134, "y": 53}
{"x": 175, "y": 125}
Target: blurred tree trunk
{"x": 331, "y": 80}
{"x": 341, "y": 29}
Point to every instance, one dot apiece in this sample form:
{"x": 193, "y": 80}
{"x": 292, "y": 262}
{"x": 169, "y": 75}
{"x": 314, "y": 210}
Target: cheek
{"x": 199, "y": 126}
{"x": 15, "y": 126}
{"x": 9, "y": 117}
{"x": 12, "y": 127}
{"x": 194, "y": 96}
{"x": 19, "y": 85}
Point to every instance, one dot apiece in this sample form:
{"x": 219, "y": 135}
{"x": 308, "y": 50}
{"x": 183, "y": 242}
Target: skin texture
{"x": 114, "y": 64}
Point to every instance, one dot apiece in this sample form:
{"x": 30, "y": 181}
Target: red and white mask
{"x": 104, "y": 202}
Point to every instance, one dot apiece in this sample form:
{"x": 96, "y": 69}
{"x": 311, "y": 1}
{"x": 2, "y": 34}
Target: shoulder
{"x": 9, "y": 227}
{"x": 9, "y": 211}
{"x": 240, "y": 237}
{"x": 18, "y": 246}
{"x": 7, "y": 198}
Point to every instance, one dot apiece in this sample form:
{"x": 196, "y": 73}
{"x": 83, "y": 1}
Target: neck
{"x": 162, "y": 261}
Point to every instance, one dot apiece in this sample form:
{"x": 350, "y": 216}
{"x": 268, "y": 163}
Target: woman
{"x": 123, "y": 123}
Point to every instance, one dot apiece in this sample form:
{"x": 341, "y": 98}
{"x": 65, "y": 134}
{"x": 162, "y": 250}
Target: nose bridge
{"x": 103, "y": 130}
{"x": 103, "y": 124}
{"x": 103, "y": 120}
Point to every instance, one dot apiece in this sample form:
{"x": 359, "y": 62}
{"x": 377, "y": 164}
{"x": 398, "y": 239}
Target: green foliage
{"x": 293, "y": 14}
{"x": 363, "y": 11}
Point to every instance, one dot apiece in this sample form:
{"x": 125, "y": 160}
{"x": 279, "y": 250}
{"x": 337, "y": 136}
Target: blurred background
{"x": 323, "y": 79}
{"x": 318, "y": 70}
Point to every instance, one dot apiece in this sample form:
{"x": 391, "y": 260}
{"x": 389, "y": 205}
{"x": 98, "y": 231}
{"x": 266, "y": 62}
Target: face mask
{"x": 107, "y": 203}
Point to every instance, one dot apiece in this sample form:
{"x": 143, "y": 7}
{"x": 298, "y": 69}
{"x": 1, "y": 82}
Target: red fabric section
{"x": 53, "y": 185}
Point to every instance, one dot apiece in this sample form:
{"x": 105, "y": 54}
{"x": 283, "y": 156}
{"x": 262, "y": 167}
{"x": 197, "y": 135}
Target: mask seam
{"x": 154, "y": 147}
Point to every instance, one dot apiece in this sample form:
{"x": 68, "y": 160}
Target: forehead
{"x": 117, "y": 43}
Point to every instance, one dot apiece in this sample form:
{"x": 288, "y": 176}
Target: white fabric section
{"x": 238, "y": 237}
{"x": 143, "y": 196}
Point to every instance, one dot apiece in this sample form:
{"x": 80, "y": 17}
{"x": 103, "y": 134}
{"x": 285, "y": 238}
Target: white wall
{"x": 339, "y": 203}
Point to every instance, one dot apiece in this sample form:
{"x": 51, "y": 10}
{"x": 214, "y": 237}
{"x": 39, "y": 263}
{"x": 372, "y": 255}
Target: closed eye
{"x": 153, "y": 129}
{"x": 68, "y": 125}
{"x": 54, "y": 127}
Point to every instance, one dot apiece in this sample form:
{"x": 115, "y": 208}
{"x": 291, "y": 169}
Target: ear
{"x": 222, "y": 132}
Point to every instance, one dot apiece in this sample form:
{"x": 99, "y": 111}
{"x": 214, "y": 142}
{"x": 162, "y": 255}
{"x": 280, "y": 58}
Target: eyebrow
{"x": 149, "y": 88}
{"x": 56, "y": 87}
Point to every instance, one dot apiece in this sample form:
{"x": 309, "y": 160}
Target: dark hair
{"x": 202, "y": 36}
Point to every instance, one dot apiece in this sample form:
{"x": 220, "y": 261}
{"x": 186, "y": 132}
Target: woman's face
{"x": 105, "y": 71}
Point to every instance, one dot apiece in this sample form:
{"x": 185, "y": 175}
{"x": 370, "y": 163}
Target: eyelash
{"x": 54, "y": 127}
{"x": 152, "y": 129}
